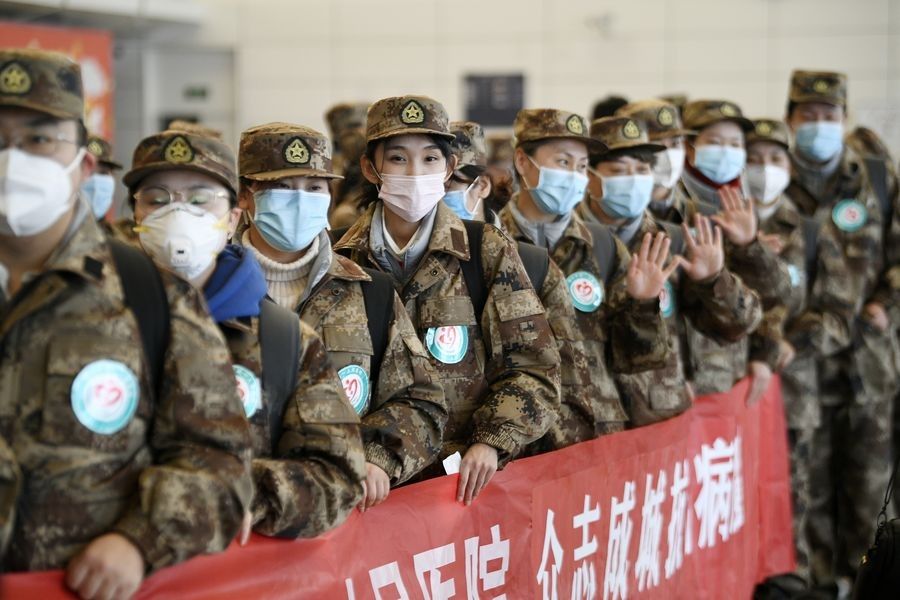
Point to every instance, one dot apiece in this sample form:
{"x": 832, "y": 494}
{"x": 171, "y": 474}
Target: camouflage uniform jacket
{"x": 315, "y": 476}
{"x": 404, "y": 416}
{"x": 173, "y": 476}
{"x": 500, "y": 375}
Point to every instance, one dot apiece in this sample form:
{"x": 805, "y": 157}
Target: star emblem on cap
{"x": 574, "y": 125}
{"x": 14, "y": 79}
{"x": 178, "y": 151}
{"x": 821, "y": 86}
{"x": 764, "y": 128}
{"x": 296, "y": 152}
{"x": 665, "y": 117}
{"x": 631, "y": 130}
{"x": 728, "y": 110}
{"x": 412, "y": 113}
{"x": 95, "y": 148}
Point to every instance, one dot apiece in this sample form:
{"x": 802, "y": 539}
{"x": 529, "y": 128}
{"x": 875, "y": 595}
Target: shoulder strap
{"x": 810, "y": 247}
{"x": 537, "y": 262}
{"x": 378, "y": 297}
{"x": 279, "y": 340}
{"x": 473, "y": 270}
{"x": 675, "y": 234}
{"x": 147, "y": 299}
{"x": 604, "y": 249}
{"x": 878, "y": 178}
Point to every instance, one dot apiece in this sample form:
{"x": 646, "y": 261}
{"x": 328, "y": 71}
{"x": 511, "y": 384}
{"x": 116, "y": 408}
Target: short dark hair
{"x": 608, "y": 106}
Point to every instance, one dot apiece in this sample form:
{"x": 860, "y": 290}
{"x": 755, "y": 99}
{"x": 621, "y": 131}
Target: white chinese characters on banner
{"x": 551, "y": 561}
{"x": 680, "y": 535}
{"x": 584, "y": 580}
{"x": 720, "y": 503}
{"x": 479, "y": 560}
{"x": 615, "y": 582}
{"x": 646, "y": 569}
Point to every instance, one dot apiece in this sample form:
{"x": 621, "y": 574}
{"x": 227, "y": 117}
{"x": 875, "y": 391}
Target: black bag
{"x": 879, "y": 571}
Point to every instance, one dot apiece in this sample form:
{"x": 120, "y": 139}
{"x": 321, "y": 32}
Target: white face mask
{"x": 411, "y": 197}
{"x": 184, "y": 238}
{"x": 669, "y": 167}
{"x": 767, "y": 182}
{"x": 35, "y": 191}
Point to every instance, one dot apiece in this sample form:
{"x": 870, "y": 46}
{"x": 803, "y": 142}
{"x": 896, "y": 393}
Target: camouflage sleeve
{"x": 825, "y": 327}
{"x": 888, "y": 290}
{"x": 575, "y": 420}
{"x": 637, "y": 329}
{"x": 863, "y": 247}
{"x": 722, "y": 308}
{"x": 316, "y": 477}
{"x": 761, "y": 270}
{"x": 192, "y": 498}
{"x": 766, "y": 340}
{"x": 404, "y": 429}
{"x": 522, "y": 360}
{"x": 10, "y": 484}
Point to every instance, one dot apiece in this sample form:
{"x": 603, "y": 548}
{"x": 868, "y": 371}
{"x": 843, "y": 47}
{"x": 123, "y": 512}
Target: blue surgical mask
{"x": 558, "y": 191}
{"x": 98, "y": 191}
{"x": 820, "y": 140}
{"x": 289, "y": 220}
{"x": 626, "y": 196}
{"x": 720, "y": 163}
{"x": 458, "y": 202}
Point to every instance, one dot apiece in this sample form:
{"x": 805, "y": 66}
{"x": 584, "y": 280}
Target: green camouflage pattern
{"x": 827, "y": 87}
{"x": 102, "y": 149}
{"x": 769, "y": 130}
{"x": 537, "y": 124}
{"x": 623, "y": 133}
{"x": 700, "y": 114}
{"x": 345, "y": 117}
{"x": 663, "y": 119}
{"x": 469, "y": 143}
{"x": 276, "y": 150}
{"x": 400, "y": 115}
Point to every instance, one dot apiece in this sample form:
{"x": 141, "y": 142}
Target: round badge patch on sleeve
{"x": 585, "y": 290}
{"x": 356, "y": 386}
{"x": 249, "y": 389}
{"x": 447, "y": 344}
{"x": 849, "y": 215}
{"x": 667, "y": 300}
{"x": 105, "y": 396}
{"x": 796, "y": 276}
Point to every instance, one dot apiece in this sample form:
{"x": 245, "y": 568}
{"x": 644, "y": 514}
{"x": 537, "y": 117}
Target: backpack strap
{"x": 878, "y": 178}
{"x": 279, "y": 340}
{"x": 537, "y": 262}
{"x": 676, "y": 234}
{"x": 604, "y": 249}
{"x": 146, "y": 297}
{"x": 473, "y": 270}
{"x": 810, "y": 248}
{"x": 378, "y": 297}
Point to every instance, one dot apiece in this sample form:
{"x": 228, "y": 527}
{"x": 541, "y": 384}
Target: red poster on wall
{"x": 92, "y": 48}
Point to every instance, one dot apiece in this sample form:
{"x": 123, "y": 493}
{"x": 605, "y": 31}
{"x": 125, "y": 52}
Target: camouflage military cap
{"x": 469, "y": 143}
{"x": 184, "y": 148}
{"x": 536, "y": 124}
{"x": 699, "y": 114}
{"x": 676, "y": 100}
{"x": 499, "y": 148}
{"x": 819, "y": 86}
{"x": 663, "y": 119}
{"x": 275, "y": 150}
{"x": 769, "y": 130}
{"x": 400, "y": 115}
{"x": 103, "y": 151}
{"x": 45, "y": 81}
{"x": 623, "y": 133}
{"x": 346, "y": 116}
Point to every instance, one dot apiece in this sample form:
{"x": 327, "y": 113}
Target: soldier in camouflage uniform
{"x": 712, "y": 179}
{"x": 309, "y": 477}
{"x": 347, "y": 124}
{"x": 826, "y": 292}
{"x": 399, "y": 399}
{"x": 622, "y": 327}
{"x": 577, "y": 421}
{"x": 99, "y": 188}
{"x": 851, "y": 455}
{"x": 123, "y": 473}
{"x": 498, "y": 360}
{"x": 703, "y": 292}
{"x": 668, "y": 201}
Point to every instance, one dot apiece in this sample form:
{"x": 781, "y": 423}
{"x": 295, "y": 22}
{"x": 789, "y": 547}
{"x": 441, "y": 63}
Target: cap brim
{"x": 23, "y": 103}
{"x": 752, "y": 139}
{"x": 411, "y": 130}
{"x": 297, "y": 172}
{"x": 593, "y": 146}
{"x": 111, "y": 164}
{"x": 135, "y": 176}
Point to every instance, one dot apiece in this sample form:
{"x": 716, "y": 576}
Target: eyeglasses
{"x": 37, "y": 142}
{"x": 160, "y": 196}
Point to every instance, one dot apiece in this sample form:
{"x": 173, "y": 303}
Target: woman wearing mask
{"x": 286, "y": 172}
{"x": 474, "y": 192}
{"x": 471, "y": 301}
{"x": 668, "y": 201}
{"x": 308, "y": 465}
{"x": 715, "y": 302}
{"x": 713, "y": 178}
{"x": 100, "y": 187}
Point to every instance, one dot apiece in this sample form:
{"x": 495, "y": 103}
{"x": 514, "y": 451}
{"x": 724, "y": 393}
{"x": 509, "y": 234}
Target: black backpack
{"x": 879, "y": 573}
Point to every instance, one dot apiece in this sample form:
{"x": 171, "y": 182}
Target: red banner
{"x": 697, "y": 506}
{"x": 91, "y": 48}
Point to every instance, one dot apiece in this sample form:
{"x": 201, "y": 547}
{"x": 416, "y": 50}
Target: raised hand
{"x": 647, "y": 272}
{"x": 705, "y": 254}
{"x": 772, "y": 241}
{"x": 737, "y": 217}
